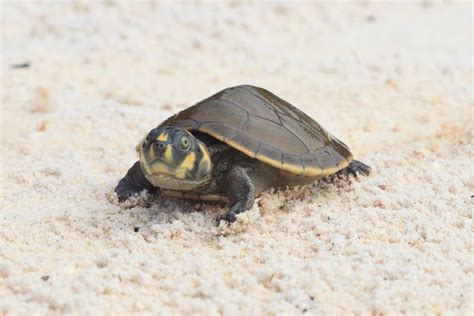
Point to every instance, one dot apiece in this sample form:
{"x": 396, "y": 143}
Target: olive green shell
{"x": 265, "y": 127}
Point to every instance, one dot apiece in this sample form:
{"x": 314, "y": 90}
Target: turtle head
{"x": 172, "y": 158}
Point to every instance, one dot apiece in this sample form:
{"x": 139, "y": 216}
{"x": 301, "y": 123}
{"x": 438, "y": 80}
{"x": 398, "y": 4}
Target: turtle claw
{"x": 124, "y": 195}
{"x": 125, "y": 189}
{"x": 228, "y": 217}
{"x": 355, "y": 167}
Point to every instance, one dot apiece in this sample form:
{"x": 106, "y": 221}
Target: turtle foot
{"x": 355, "y": 167}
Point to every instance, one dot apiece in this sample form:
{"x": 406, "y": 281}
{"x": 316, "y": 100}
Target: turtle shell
{"x": 261, "y": 125}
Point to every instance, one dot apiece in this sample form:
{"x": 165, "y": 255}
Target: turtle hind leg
{"x": 355, "y": 167}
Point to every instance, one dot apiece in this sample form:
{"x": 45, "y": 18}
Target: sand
{"x": 393, "y": 81}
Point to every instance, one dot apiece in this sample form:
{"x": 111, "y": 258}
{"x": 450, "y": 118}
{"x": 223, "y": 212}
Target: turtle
{"x": 231, "y": 147}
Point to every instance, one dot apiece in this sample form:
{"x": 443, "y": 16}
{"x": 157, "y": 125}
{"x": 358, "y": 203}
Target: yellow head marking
{"x": 205, "y": 160}
{"x": 205, "y": 154}
{"x": 169, "y": 153}
{"x": 186, "y": 164}
{"x": 163, "y": 137}
{"x": 180, "y": 174}
{"x": 152, "y": 151}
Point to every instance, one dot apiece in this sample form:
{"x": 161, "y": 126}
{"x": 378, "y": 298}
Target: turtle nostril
{"x": 159, "y": 145}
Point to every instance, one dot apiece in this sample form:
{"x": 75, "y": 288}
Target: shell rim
{"x": 298, "y": 170}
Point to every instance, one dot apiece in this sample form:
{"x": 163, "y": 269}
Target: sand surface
{"x": 394, "y": 82}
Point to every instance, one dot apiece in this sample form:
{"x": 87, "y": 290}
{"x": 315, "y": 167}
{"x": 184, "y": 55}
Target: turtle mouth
{"x": 162, "y": 174}
{"x": 157, "y": 160}
{"x": 160, "y": 168}
{"x": 171, "y": 183}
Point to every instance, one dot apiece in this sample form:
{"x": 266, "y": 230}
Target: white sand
{"x": 392, "y": 81}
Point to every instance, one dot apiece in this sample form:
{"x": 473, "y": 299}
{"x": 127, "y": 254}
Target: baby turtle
{"x": 232, "y": 146}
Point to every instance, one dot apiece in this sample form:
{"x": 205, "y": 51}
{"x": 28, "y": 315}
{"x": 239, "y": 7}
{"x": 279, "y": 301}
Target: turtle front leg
{"x": 240, "y": 191}
{"x": 243, "y": 183}
{"x": 133, "y": 183}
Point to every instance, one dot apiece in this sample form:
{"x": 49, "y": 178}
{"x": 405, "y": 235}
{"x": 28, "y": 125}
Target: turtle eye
{"x": 184, "y": 142}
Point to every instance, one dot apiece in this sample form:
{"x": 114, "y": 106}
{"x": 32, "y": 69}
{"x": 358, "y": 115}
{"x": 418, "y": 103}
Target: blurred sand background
{"x": 393, "y": 81}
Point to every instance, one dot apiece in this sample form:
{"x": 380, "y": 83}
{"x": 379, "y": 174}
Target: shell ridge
{"x": 296, "y": 135}
{"x": 265, "y": 101}
{"x": 326, "y": 149}
{"x": 267, "y": 119}
{"x": 302, "y": 163}
{"x": 244, "y": 124}
{"x": 248, "y": 114}
{"x": 278, "y": 112}
{"x": 258, "y": 148}
{"x": 233, "y": 103}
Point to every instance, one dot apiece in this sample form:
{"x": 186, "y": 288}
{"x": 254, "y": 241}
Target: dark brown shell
{"x": 265, "y": 127}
